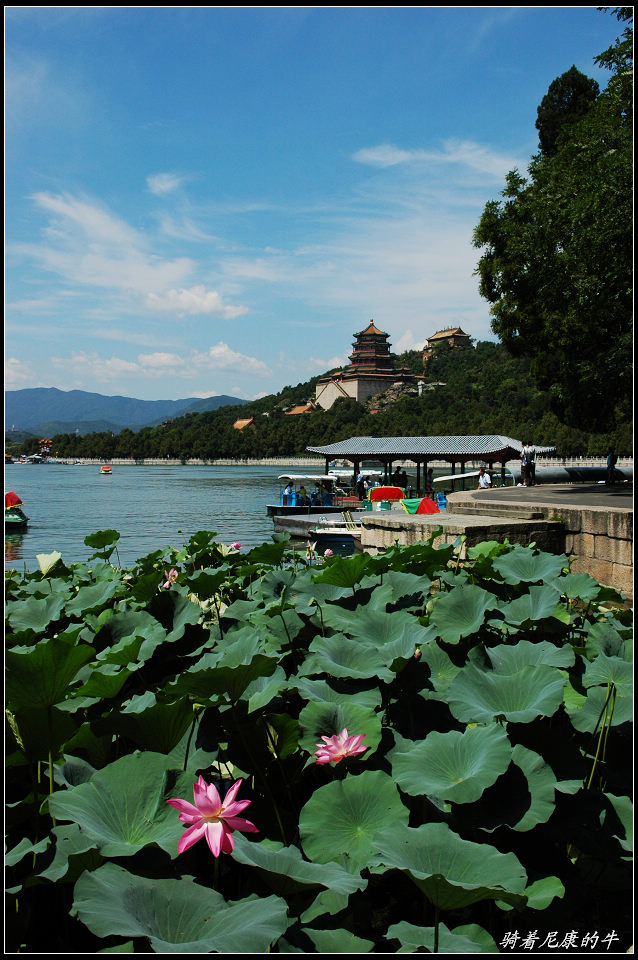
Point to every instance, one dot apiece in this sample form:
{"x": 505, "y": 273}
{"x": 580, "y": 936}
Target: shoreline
{"x": 309, "y": 462}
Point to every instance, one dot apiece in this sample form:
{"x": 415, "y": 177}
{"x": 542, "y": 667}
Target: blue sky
{"x": 208, "y": 200}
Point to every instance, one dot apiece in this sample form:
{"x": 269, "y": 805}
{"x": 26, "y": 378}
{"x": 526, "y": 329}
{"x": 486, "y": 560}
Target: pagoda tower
{"x": 371, "y": 370}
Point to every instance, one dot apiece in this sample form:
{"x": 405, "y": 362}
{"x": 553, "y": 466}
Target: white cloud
{"x": 162, "y": 183}
{"x": 222, "y": 357}
{"x": 197, "y": 300}
{"x": 17, "y": 373}
{"x": 465, "y": 153}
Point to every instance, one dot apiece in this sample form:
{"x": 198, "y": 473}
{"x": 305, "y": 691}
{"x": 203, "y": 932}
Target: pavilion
{"x": 422, "y": 450}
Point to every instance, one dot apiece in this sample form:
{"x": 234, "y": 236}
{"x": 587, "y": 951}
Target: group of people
{"x": 317, "y": 498}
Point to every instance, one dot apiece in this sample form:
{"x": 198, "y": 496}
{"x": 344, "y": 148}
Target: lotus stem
{"x": 604, "y": 714}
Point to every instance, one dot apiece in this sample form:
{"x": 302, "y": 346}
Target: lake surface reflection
{"x": 150, "y": 507}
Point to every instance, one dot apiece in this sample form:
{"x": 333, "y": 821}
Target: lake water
{"x": 150, "y": 507}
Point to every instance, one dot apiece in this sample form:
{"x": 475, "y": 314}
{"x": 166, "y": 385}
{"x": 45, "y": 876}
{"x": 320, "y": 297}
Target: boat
{"x": 340, "y": 535}
{"x": 106, "y": 469}
{"x": 14, "y": 516}
{"x": 322, "y": 495}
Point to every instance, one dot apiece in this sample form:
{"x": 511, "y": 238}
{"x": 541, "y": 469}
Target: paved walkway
{"x": 618, "y": 496}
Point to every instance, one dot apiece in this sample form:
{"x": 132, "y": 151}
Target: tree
{"x": 568, "y": 99}
{"x": 557, "y": 263}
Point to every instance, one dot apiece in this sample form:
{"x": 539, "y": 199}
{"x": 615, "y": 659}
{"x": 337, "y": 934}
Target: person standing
{"x": 612, "y": 459}
{"x": 531, "y": 465}
{"x": 360, "y": 487}
{"x": 524, "y": 473}
{"x": 484, "y": 480}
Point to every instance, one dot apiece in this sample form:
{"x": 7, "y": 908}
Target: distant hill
{"x": 47, "y": 411}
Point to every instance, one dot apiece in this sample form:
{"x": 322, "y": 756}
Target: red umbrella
{"x": 11, "y": 499}
{"x": 427, "y": 506}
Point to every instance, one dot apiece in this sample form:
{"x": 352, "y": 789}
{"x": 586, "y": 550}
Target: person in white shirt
{"x": 484, "y": 481}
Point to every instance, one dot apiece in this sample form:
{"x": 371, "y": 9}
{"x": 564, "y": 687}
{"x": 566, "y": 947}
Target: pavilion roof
{"x": 494, "y": 447}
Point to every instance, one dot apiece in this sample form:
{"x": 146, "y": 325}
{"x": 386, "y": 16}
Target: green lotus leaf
{"x": 537, "y": 604}
{"x": 578, "y": 586}
{"x": 451, "y": 872}
{"x": 102, "y": 538}
{"x": 40, "y": 730}
{"x": 341, "y": 818}
{"x": 539, "y": 894}
{"x": 452, "y": 766}
{"x": 126, "y": 627}
{"x": 403, "y": 589}
{"x": 152, "y": 725}
{"x": 586, "y": 714}
{"x": 123, "y": 807}
{"x": 73, "y": 853}
{"x": 34, "y": 613}
{"x": 541, "y": 782}
{"x": 624, "y": 810}
{"x": 324, "y": 718}
{"x": 41, "y": 676}
{"x": 341, "y": 656}
{"x": 338, "y": 941}
{"x": 321, "y": 692}
{"x": 525, "y": 565}
{"x": 94, "y": 596}
{"x": 373, "y": 624}
{"x": 604, "y": 670}
{"x": 602, "y": 637}
{"x": 465, "y": 939}
{"x": 268, "y": 553}
{"x": 226, "y": 672}
{"x": 344, "y": 571}
{"x": 176, "y": 916}
{"x": 480, "y": 696}
{"x": 442, "y": 670}
{"x": 508, "y": 659}
{"x": 287, "y": 871}
{"x": 262, "y": 690}
{"x": 461, "y": 611}
{"x": 104, "y": 682}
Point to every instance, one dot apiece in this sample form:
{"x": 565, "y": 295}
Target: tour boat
{"x": 105, "y": 469}
{"x": 14, "y": 516}
{"x": 322, "y": 495}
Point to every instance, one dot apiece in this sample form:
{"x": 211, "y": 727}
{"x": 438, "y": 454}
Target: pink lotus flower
{"x": 328, "y": 553}
{"x": 171, "y": 577}
{"x": 235, "y": 546}
{"x": 211, "y": 818}
{"x": 339, "y": 746}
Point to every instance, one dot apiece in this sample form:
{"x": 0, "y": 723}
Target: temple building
{"x": 371, "y": 371}
{"x": 453, "y": 336}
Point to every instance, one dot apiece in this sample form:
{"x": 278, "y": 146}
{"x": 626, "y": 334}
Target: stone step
{"x": 514, "y": 512}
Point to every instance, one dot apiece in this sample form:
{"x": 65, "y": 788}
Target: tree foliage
{"x": 568, "y": 99}
{"x": 557, "y": 263}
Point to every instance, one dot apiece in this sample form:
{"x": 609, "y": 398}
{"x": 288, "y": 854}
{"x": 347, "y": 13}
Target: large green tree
{"x": 557, "y": 261}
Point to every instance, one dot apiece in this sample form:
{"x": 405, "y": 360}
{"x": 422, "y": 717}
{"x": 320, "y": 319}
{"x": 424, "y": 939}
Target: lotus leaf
{"x": 35, "y": 614}
{"x": 604, "y": 670}
{"x": 341, "y": 818}
{"x": 508, "y": 659}
{"x": 465, "y": 939}
{"x": 578, "y": 586}
{"x": 481, "y": 696}
{"x": 321, "y": 691}
{"x": 41, "y": 676}
{"x": 177, "y": 916}
{"x": 338, "y": 941}
{"x": 286, "y": 866}
{"x": 122, "y": 807}
{"x": 345, "y": 571}
{"x": 587, "y": 713}
{"x": 451, "y": 872}
{"x": 537, "y": 604}
{"x": 461, "y": 611}
{"x": 452, "y": 766}
{"x": 522, "y": 565}
{"x": 341, "y": 656}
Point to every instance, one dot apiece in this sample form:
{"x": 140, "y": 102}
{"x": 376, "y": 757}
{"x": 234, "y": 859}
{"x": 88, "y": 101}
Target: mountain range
{"x": 46, "y": 411}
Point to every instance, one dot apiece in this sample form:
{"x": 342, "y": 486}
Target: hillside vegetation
{"x": 478, "y": 389}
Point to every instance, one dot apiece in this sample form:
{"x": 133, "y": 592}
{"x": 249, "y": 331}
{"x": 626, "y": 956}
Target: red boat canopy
{"x": 11, "y": 499}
